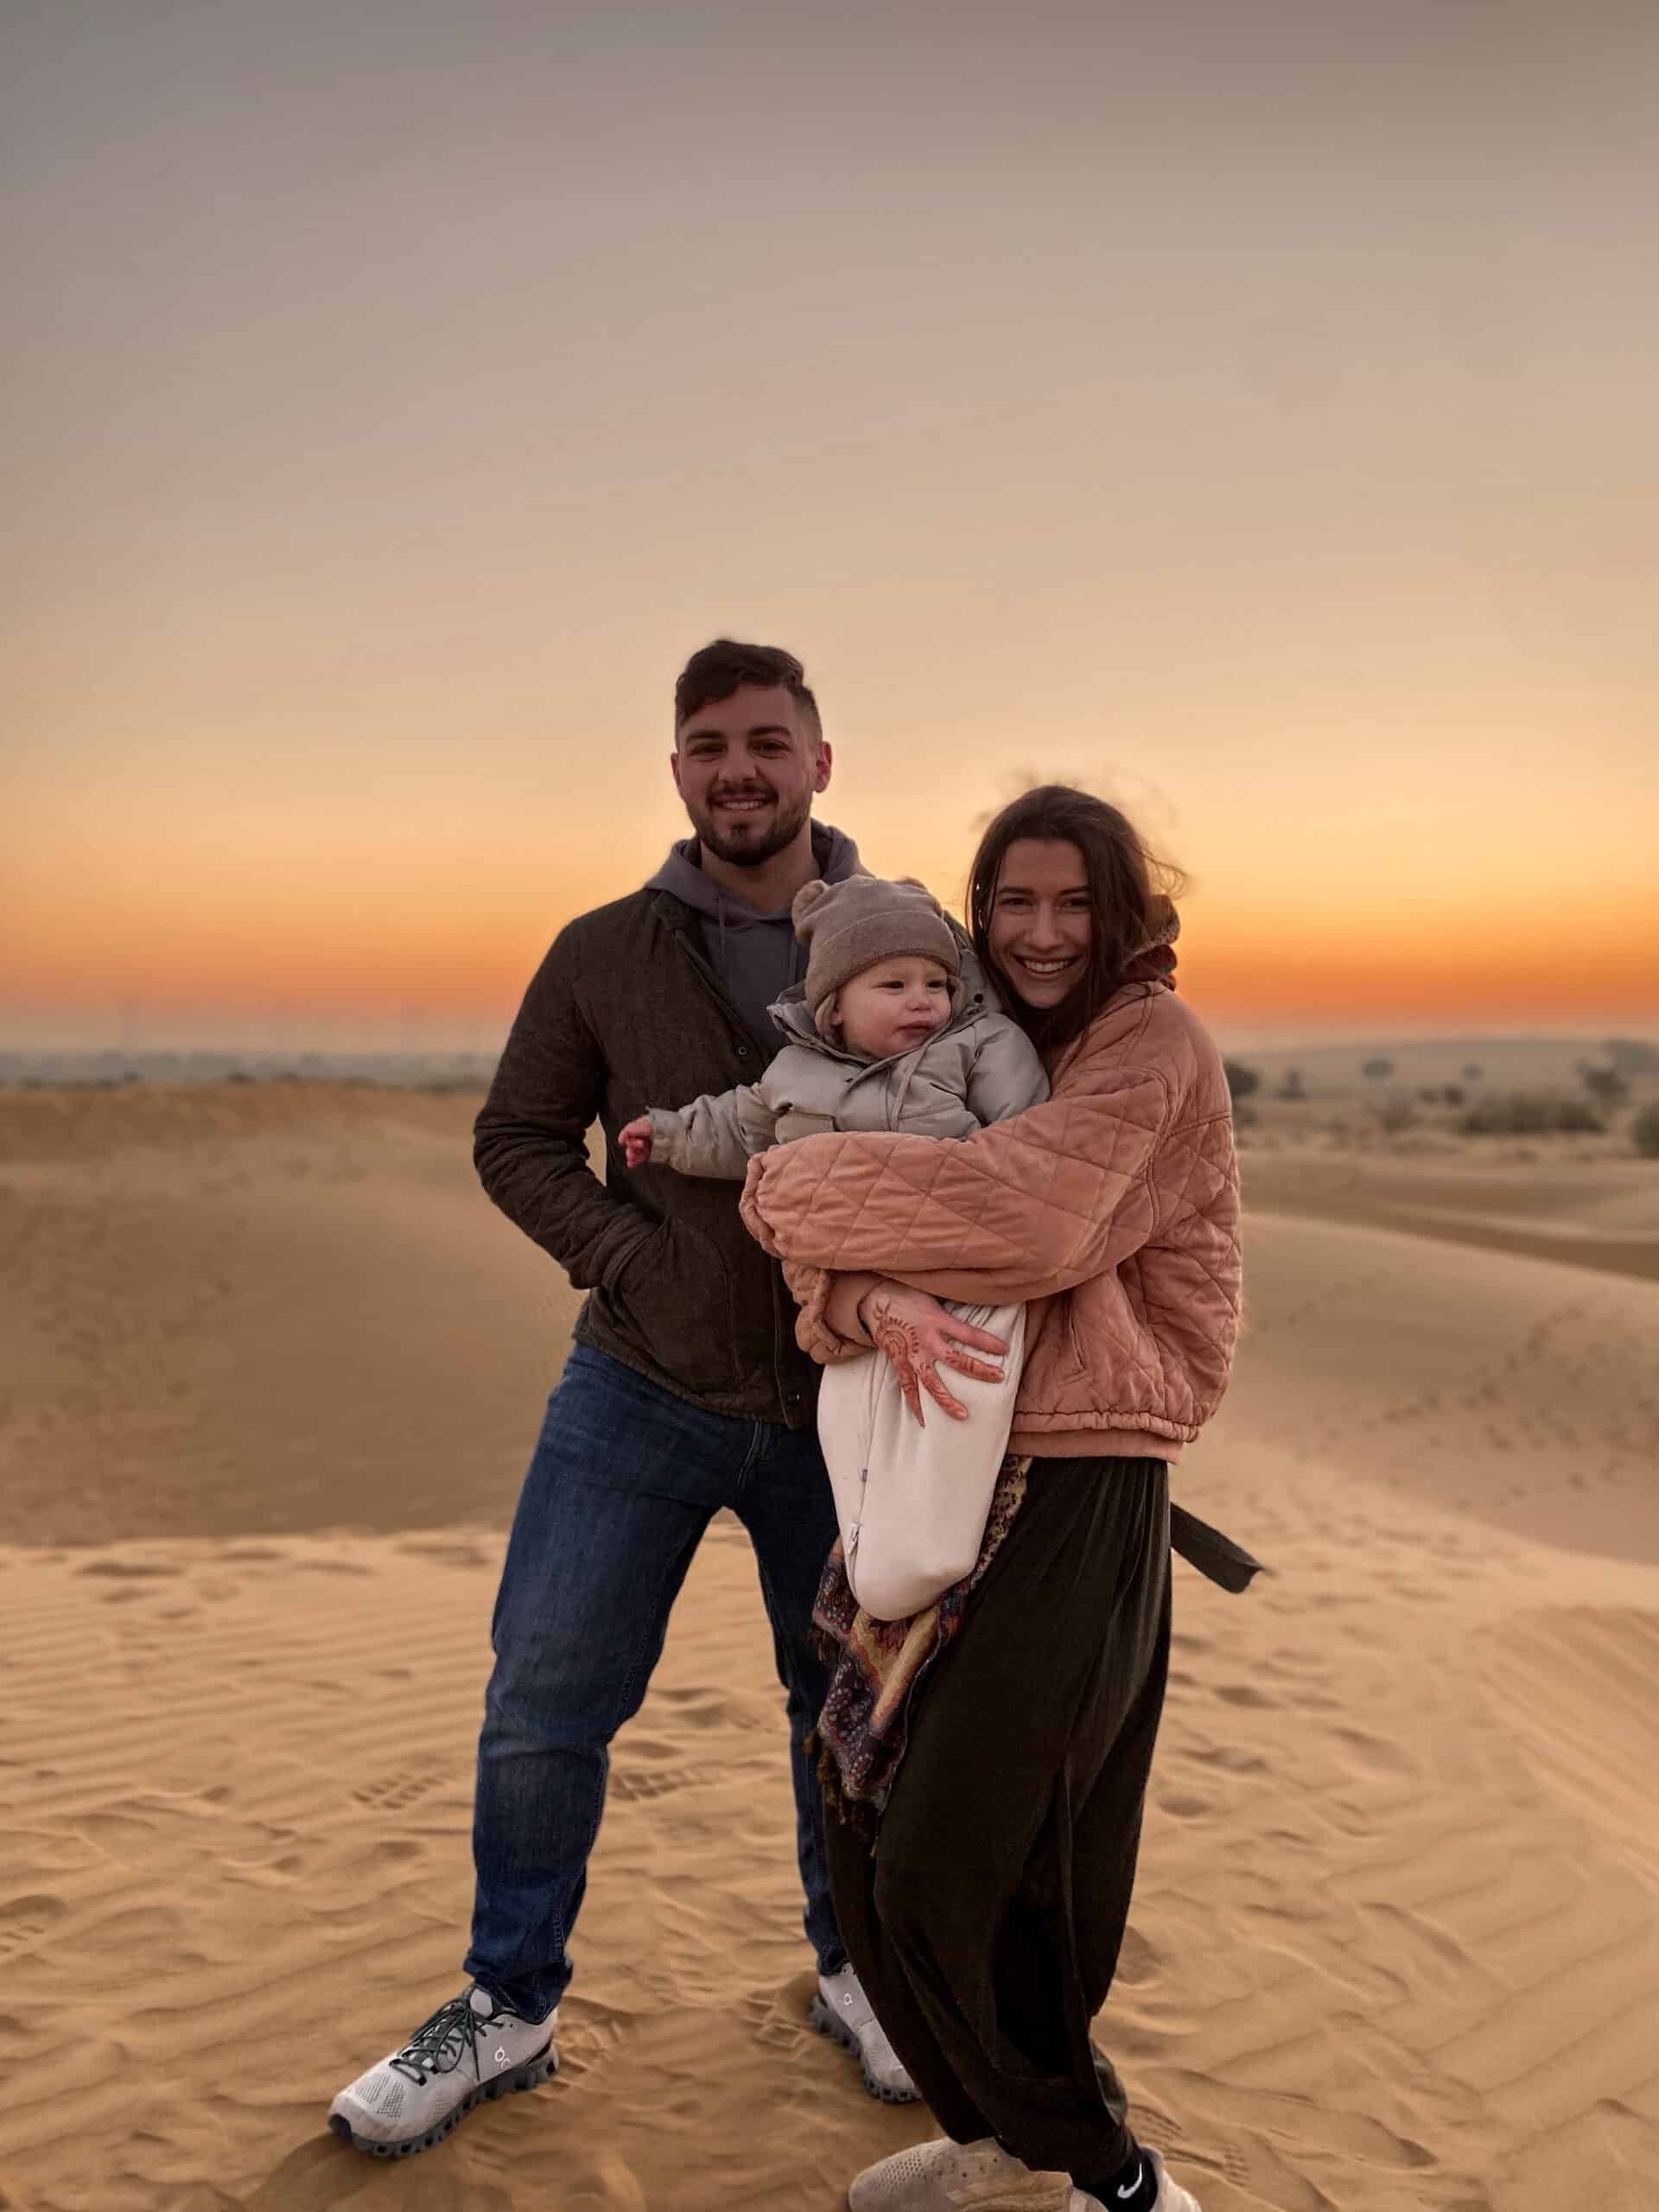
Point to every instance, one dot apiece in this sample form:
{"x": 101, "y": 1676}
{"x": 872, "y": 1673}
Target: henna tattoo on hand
{"x": 901, "y": 1342}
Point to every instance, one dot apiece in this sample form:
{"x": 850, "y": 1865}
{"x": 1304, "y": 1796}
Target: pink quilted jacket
{"x": 1114, "y": 1208}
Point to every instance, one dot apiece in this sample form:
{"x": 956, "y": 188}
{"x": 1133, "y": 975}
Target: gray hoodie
{"x": 757, "y": 956}
{"x": 981, "y": 1067}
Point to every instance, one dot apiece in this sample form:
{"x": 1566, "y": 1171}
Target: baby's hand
{"x": 634, "y": 1137}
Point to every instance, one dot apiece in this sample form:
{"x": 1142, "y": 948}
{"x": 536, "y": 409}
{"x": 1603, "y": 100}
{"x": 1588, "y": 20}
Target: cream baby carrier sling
{"x": 913, "y": 1502}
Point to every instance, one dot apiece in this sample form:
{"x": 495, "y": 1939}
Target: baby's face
{"x": 892, "y": 1007}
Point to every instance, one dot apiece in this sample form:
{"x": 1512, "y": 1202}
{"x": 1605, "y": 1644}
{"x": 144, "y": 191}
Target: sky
{"x": 1244, "y": 410}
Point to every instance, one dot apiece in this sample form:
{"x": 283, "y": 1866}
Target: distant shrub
{"x": 1645, "y": 1131}
{"x": 1243, "y": 1082}
{"x": 1531, "y": 1114}
{"x": 1473, "y": 1071}
{"x": 1292, "y": 1088}
{"x": 1245, "y": 1117}
{"x": 1606, "y": 1085}
{"x": 1377, "y": 1070}
{"x": 1396, "y": 1113}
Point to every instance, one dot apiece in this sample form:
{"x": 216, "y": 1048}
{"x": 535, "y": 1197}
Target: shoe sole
{"x": 530, "y": 2075}
{"x": 827, "y": 2025}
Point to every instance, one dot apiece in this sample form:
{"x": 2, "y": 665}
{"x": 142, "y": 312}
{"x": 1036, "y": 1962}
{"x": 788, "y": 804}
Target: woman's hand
{"x": 919, "y": 1337}
{"x": 634, "y": 1137}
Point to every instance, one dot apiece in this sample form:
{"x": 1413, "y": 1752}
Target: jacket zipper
{"x": 747, "y": 1048}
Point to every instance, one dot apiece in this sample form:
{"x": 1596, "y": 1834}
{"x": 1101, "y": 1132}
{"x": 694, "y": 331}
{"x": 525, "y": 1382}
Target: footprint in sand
{"x": 1377, "y": 1759}
{"x": 447, "y": 1553}
{"x": 1184, "y": 1805}
{"x": 1246, "y": 1695}
{"x": 702, "y": 1708}
{"x": 24, "y": 1920}
{"x": 217, "y": 1589}
{"x": 396, "y": 1792}
{"x": 126, "y": 1569}
{"x": 589, "y": 2030}
{"x": 778, "y": 2017}
{"x": 1230, "y": 1758}
{"x": 638, "y": 1785}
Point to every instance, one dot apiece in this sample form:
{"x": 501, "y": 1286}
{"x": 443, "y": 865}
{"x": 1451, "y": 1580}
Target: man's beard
{"x": 755, "y": 849}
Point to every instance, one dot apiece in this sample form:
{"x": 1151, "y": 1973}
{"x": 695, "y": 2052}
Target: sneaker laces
{"x": 438, "y": 2044}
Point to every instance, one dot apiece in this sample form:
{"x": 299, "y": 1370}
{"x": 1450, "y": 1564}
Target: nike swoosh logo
{"x": 1134, "y": 2188}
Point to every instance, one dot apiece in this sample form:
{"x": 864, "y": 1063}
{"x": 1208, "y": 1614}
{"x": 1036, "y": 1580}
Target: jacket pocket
{"x": 674, "y": 1299}
{"x": 1074, "y": 1365}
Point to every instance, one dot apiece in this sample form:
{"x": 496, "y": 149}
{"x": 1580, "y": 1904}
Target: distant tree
{"x": 1293, "y": 1086}
{"x": 1631, "y": 1057}
{"x": 1378, "y": 1070}
{"x": 1473, "y": 1071}
{"x": 1645, "y": 1130}
{"x": 1606, "y": 1085}
{"x": 1453, "y": 1094}
{"x": 1241, "y": 1082}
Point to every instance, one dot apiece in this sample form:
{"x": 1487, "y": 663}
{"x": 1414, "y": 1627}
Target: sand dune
{"x": 1397, "y": 1940}
{"x": 1519, "y": 1390}
{"x": 270, "y": 1308}
{"x": 1597, "y": 1213}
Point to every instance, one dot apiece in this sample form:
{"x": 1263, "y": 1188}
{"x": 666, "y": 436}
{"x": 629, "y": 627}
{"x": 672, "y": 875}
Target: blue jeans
{"x": 623, "y": 1481}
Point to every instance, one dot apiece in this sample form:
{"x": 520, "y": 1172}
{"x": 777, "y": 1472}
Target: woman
{"x": 990, "y": 1757}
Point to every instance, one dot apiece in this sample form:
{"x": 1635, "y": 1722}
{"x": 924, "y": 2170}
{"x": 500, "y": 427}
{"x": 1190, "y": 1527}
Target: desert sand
{"x": 273, "y": 1368}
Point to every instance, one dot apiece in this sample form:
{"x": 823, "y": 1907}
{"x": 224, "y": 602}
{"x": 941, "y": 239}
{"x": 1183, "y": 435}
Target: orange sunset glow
{"x": 1244, "y": 412}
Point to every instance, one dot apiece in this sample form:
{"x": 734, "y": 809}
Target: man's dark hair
{"x": 715, "y": 672}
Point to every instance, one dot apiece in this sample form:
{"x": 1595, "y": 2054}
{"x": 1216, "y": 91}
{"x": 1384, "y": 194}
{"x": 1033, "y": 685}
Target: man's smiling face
{"x": 747, "y": 768}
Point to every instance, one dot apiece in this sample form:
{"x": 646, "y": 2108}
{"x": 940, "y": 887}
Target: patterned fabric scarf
{"x": 879, "y": 1666}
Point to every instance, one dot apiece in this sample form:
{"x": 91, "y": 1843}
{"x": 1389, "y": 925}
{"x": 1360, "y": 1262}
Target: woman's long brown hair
{"x": 1128, "y": 893}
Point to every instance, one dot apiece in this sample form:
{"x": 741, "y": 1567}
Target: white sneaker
{"x": 946, "y": 2176}
{"x": 1172, "y": 2197}
{"x": 471, "y": 2050}
{"x": 841, "y": 2009}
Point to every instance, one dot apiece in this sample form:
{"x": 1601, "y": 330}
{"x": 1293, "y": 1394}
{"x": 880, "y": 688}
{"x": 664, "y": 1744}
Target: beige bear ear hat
{"x": 847, "y": 927}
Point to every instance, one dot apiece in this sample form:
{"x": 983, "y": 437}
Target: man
{"x": 684, "y": 1390}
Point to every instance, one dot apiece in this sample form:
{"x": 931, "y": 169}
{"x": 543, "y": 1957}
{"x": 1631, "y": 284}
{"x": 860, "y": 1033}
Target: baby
{"x": 893, "y": 1030}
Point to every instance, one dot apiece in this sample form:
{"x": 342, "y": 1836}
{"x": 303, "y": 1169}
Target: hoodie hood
{"x": 681, "y": 874}
{"x": 757, "y": 956}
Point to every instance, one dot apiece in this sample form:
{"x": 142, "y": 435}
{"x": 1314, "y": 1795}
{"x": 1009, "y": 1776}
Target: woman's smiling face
{"x": 1041, "y": 918}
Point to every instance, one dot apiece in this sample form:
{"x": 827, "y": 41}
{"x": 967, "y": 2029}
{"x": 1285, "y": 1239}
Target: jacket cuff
{"x": 847, "y": 1293}
{"x": 748, "y": 1205}
{"x": 813, "y": 1289}
{"x": 667, "y": 1137}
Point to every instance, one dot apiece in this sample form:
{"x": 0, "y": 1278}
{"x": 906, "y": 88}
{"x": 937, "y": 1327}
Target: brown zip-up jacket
{"x": 626, "y": 1010}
